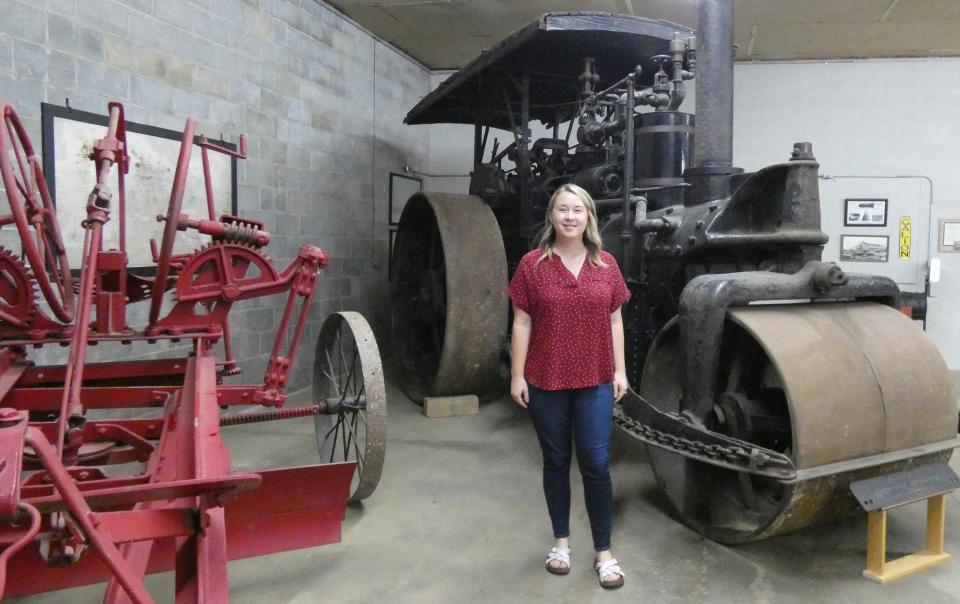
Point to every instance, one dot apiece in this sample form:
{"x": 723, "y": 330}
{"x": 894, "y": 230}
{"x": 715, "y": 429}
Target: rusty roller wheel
{"x": 821, "y": 383}
{"x": 348, "y": 376}
{"x": 448, "y": 299}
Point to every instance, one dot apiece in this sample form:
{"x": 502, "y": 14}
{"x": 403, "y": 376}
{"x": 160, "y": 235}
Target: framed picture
{"x": 401, "y": 188}
{"x": 949, "y": 240}
{"x": 68, "y": 139}
{"x": 865, "y": 212}
{"x": 864, "y": 248}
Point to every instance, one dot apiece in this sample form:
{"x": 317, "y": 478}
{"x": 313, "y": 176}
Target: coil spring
{"x": 241, "y": 233}
{"x": 266, "y": 416}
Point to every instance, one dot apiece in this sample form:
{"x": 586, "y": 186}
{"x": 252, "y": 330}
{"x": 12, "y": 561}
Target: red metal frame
{"x": 77, "y": 518}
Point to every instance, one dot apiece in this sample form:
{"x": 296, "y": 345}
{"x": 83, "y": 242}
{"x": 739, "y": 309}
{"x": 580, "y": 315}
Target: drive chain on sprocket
{"x": 735, "y": 454}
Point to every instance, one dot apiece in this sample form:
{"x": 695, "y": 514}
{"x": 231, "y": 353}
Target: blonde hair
{"x": 591, "y": 235}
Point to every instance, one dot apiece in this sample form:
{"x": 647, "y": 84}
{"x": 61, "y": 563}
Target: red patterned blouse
{"x": 571, "y": 345}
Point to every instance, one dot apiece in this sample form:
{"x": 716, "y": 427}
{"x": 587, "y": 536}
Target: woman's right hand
{"x": 519, "y": 392}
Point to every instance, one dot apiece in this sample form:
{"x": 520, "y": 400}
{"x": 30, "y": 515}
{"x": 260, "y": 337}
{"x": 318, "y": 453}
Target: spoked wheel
{"x": 31, "y": 209}
{"x": 348, "y": 383}
{"x": 448, "y": 300}
{"x": 821, "y": 383}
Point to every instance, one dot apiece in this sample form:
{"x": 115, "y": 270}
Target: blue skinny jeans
{"x": 586, "y": 415}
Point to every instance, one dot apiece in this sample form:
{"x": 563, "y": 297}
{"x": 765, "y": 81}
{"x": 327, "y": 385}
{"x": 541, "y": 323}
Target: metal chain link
{"x": 745, "y": 457}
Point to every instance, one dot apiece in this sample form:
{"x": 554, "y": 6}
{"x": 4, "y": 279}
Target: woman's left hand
{"x": 620, "y": 385}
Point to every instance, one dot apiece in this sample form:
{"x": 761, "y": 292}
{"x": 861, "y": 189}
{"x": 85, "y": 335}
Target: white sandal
{"x": 610, "y": 568}
{"x": 561, "y": 555}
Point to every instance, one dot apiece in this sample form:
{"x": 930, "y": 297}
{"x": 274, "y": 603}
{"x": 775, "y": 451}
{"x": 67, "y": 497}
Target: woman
{"x": 568, "y": 366}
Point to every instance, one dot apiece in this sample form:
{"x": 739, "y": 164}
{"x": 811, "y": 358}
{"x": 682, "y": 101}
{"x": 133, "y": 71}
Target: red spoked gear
{"x": 214, "y": 277}
{"x": 17, "y": 304}
{"x": 220, "y": 271}
{"x": 31, "y": 209}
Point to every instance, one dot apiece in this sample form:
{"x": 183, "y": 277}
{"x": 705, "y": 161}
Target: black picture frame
{"x": 948, "y": 239}
{"x": 50, "y": 113}
{"x": 862, "y": 212}
{"x": 400, "y": 190}
{"x": 864, "y": 248}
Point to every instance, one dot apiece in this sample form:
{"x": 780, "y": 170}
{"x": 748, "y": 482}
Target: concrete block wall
{"x": 320, "y": 100}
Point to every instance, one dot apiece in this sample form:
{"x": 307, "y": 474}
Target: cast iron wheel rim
{"x": 711, "y": 500}
{"x": 418, "y": 305}
{"x": 448, "y": 300}
{"x": 348, "y": 373}
{"x": 32, "y": 210}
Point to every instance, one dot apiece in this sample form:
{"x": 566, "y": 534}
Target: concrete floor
{"x": 459, "y": 516}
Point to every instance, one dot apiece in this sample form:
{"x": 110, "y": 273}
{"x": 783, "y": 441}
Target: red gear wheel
{"x": 31, "y": 209}
{"x": 17, "y": 304}
{"x": 213, "y": 277}
{"x": 219, "y": 270}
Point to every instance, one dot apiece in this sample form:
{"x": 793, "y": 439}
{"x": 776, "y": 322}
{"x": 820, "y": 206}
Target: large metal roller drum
{"x": 448, "y": 295}
{"x": 822, "y": 383}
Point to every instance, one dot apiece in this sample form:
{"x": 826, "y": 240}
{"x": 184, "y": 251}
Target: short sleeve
{"x": 519, "y": 289}
{"x": 619, "y": 294}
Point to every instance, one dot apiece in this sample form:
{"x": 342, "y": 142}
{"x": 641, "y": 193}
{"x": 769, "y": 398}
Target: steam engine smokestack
{"x": 713, "y": 145}
{"x": 710, "y": 175}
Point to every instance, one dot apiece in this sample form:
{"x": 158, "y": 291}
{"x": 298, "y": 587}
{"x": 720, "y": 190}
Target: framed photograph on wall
{"x": 68, "y": 139}
{"x": 401, "y": 188}
{"x": 865, "y": 212}
{"x": 949, "y": 240}
{"x": 864, "y": 248}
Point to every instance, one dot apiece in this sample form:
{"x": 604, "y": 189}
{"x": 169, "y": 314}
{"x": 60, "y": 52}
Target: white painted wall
{"x": 451, "y": 151}
{"x": 877, "y": 118}
{"x": 871, "y": 118}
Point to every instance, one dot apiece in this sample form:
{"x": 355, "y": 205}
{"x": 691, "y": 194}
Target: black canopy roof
{"x": 551, "y": 50}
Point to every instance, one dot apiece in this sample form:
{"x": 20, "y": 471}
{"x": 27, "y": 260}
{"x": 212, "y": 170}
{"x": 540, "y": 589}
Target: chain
{"x": 733, "y": 454}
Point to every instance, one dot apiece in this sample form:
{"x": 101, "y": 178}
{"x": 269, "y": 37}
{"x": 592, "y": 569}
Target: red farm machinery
{"x": 88, "y": 494}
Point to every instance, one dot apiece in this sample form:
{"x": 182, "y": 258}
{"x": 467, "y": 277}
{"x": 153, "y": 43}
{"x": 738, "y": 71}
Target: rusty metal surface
{"x": 470, "y": 278}
{"x": 861, "y": 378}
{"x": 858, "y": 380}
{"x": 891, "y": 457}
{"x": 347, "y": 370}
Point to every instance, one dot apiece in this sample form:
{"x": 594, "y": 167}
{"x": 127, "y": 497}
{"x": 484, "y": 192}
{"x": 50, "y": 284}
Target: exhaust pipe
{"x": 713, "y": 142}
{"x": 713, "y": 146}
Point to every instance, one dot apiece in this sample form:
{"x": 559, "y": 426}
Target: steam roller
{"x": 820, "y": 384}
{"x": 765, "y": 379}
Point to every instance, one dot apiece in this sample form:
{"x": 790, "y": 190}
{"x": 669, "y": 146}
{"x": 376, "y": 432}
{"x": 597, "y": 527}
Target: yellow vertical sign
{"x": 904, "y": 237}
